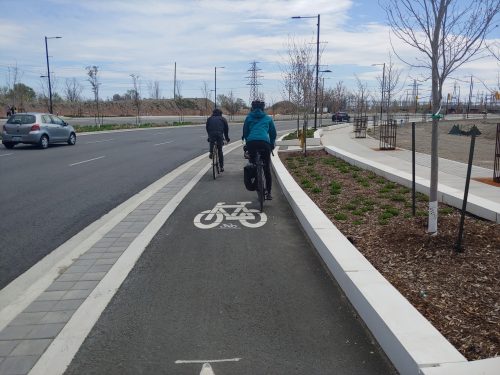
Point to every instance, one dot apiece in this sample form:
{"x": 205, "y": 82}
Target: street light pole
{"x": 382, "y": 91}
{"x": 48, "y": 69}
{"x": 317, "y": 72}
{"x": 215, "y": 99}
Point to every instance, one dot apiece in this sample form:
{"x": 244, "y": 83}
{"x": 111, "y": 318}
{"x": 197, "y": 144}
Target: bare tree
{"x": 361, "y": 97}
{"x": 13, "y": 78}
{"x": 230, "y": 103}
{"x": 298, "y": 79}
{"x": 154, "y": 90}
{"x": 136, "y": 97}
{"x": 389, "y": 84}
{"x": 73, "y": 90}
{"x": 448, "y": 33}
{"x": 336, "y": 98}
{"x": 94, "y": 83}
{"x": 205, "y": 91}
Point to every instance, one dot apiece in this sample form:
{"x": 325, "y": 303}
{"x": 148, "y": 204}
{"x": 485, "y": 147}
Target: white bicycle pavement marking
{"x": 206, "y": 369}
{"x": 248, "y": 217}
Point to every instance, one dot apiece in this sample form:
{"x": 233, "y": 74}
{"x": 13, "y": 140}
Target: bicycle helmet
{"x": 217, "y": 112}
{"x": 257, "y": 104}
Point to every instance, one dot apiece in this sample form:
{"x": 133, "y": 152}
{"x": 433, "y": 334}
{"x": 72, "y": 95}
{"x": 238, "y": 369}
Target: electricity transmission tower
{"x": 254, "y": 84}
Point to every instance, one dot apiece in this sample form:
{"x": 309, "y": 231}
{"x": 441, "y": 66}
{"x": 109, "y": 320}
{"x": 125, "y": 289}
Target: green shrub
{"x": 335, "y": 188}
{"x": 306, "y": 183}
{"x": 316, "y": 190}
{"x": 357, "y": 222}
{"x": 446, "y": 211}
{"x": 340, "y": 216}
{"x": 385, "y": 215}
{"x": 398, "y": 198}
{"x": 350, "y": 207}
{"x": 390, "y": 185}
{"x": 404, "y": 190}
{"x": 380, "y": 180}
{"x": 358, "y": 212}
{"x": 392, "y": 210}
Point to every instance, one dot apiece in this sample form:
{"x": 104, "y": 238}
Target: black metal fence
{"x": 360, "y": 124}
{"x": 388, "y": 135}
{"x": 496, "y": 169}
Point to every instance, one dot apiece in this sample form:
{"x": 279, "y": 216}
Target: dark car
{"x": 340, "y": 116}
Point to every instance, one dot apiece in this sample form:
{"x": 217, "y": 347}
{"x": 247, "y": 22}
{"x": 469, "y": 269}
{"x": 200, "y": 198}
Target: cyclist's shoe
{"x": 222, "y": 169}
{"x": 269, "y": 197}
{"x": 210, "y": 155}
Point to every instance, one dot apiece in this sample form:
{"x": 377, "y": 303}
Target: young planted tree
{"x": 205, "y": 92}
{"x": 136, "y": 97}
{"x": 154, "y": 90}
{"x": 389, "y": 84}
{"x": 73, "y": 94}
{"x": 298, "y": 74}
{"x": 447, "y": 34}
{"x": 94, "y": 83}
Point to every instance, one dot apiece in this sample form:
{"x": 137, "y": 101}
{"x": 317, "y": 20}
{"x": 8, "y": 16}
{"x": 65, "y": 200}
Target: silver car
{"x": 37, "y": 128}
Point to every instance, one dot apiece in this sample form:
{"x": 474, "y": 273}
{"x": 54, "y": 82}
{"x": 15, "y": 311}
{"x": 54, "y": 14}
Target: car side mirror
{"x": 65, "y": 123}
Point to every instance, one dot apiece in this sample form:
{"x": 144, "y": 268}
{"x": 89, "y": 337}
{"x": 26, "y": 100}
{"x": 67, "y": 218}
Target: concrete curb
{"x": 410, "y": 341}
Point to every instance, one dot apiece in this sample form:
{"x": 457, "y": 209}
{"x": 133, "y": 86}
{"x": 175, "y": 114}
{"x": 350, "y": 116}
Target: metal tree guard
{"x": 388, "y": 134}
{"x": 496, "y": 170}
{"x": 360, "y": 126}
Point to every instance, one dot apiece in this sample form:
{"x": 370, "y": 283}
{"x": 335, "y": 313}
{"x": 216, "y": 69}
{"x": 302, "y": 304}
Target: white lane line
{"x": 104, "y": 140}
{"x": 164, "y": 143}
{"x": 6, "y": 154}
{"x": 180, "y": 361}
{"x": 86, "y": 161}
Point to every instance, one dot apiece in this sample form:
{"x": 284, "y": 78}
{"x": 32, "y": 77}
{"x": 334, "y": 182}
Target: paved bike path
{"x": 258, "y": 299}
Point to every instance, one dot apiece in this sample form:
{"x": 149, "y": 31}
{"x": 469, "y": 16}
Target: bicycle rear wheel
{"x": 260, "y": 184}
{"x": 215, "y": 161}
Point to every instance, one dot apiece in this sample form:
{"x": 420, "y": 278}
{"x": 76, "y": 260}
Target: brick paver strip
{"x": 24, "y": 340}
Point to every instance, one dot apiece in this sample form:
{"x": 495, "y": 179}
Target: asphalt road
{"x": 48, "y": 196}
{"x": 245, "y": 300}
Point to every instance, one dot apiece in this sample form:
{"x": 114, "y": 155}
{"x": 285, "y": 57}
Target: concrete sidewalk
{"x": 483, "y": 200}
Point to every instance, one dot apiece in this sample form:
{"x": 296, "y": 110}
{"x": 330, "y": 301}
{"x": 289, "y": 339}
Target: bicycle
{"x": 259, "y": 178}
{"x": 215, "y": 161}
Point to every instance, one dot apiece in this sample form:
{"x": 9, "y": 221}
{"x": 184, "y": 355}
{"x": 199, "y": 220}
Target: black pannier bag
{"x": 250, "y": 176}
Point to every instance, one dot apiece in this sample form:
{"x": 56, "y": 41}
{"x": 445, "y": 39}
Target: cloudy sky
{"x": 147, "y": 37}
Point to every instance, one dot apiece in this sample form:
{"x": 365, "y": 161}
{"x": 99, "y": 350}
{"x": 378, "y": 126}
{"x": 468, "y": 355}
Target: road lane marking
{"x": 207, "y": 369}
{"x": 181, "y": 361}
{"x": 86, "y": 161}
{"x": 6, "y": 154}
{"x": 164, "y": 143}
{"x": 104, "y": 140}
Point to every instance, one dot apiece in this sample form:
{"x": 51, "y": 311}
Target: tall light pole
{"x": 322, "y": 94}
{"x": 317, "y": 67}
{"x": 382, "y": 91}
{"x": 220, "y": 67}
{"x": 48, "y": 68}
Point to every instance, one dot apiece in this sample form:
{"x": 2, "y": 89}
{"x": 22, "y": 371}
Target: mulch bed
{"x": 459, "y": 293}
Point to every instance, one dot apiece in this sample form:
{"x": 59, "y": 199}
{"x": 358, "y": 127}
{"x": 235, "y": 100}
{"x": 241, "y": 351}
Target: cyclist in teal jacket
{"x": 259, "y": 133}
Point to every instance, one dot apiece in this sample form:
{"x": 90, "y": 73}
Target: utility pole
{"x": 175, "y": 80}
{"x": 254, "y": 76}
{"x": 470, "y": 95}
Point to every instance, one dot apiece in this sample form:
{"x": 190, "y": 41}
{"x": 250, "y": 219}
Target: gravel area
{"x": 458, "y": 292}
{"x": 453, "y": 147}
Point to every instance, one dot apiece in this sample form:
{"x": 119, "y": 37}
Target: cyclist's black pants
{"x": 265, "y": 152}
{"x": 219, "y": 140}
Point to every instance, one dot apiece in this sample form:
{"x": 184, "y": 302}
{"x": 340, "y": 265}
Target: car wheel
{"x": 44, "y": 142}
{"x": 9, "y": 144}
{"x": 72, "y": 139}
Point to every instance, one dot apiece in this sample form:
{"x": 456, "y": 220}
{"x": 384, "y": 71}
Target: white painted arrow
{"x": 207, "y": 369}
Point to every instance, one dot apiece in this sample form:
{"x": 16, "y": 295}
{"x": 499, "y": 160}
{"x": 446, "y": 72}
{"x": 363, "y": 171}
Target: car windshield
{"x": 21, "y": 119}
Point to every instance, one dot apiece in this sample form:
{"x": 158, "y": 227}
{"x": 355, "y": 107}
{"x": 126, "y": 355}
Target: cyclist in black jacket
{"x": 217, "y": 130}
